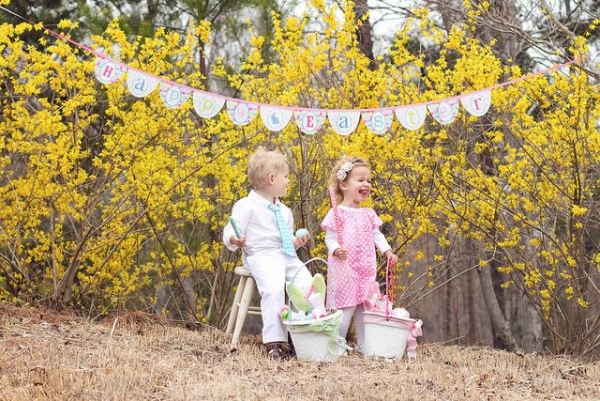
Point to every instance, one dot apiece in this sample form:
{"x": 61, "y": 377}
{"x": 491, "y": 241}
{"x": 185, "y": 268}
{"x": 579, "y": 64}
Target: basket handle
{"x": 389, "y": 292}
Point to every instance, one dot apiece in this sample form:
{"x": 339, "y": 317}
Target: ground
{"x": 45, "y": 355}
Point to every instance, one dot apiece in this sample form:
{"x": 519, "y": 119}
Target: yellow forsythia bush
{"x": 104, "y": 196}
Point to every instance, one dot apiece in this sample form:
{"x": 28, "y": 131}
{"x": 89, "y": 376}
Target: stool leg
{"x": 236, "y": 304}
{"x": 244, "y": 305}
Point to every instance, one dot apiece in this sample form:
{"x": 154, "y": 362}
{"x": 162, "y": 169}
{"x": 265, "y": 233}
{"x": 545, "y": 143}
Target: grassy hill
{"x": 49, "y": 356}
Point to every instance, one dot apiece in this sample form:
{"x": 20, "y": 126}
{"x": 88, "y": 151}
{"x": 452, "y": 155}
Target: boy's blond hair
{"x": 263, "y": 162}
{"x": 334, "y": 181}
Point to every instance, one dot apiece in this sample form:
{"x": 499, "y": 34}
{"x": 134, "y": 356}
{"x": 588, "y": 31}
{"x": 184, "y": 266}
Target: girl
{"x": 352, "y": 267}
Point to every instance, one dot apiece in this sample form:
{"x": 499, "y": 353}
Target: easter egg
{"x": 302, "y": 232}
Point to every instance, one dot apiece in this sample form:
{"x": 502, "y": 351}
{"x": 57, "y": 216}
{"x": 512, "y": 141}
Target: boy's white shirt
{"x": 257, "y": 223}
{"x": 332, "y": 243}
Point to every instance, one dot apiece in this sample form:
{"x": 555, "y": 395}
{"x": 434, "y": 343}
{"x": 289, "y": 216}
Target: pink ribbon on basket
{"x": 411, "y": 342}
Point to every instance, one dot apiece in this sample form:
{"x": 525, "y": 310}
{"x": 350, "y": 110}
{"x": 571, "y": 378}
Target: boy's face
{"x": 278, "y": 183}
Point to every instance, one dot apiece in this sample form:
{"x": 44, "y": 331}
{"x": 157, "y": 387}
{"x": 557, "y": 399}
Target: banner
{"x": 309, "y": 121}
{"x": 276, "y": 118}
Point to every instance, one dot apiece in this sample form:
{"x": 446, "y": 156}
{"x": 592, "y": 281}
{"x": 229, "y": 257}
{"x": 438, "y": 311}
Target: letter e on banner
{"x": 477, "y": 103}
{"x": 444, "y": 112}
{"x": 310, "y": 121}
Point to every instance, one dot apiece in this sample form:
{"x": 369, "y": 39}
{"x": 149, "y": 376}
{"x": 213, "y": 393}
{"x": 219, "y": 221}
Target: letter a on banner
{"x": 107, "y": 71}
{"x": 206, "y": 104}
{"x": 140, "y": 84}
{"x": 477, "y": 103}
{"x": 378, "y": 121}
{"x": 173, "y": 96}
{"x": 445, "y": 111}
{"x": 412, "y": 117}
{"x": 241, "y": 113}
{"x": 310, "y": 121}
{"x": 275, "y": 118}
{"x": 343, "y": 122}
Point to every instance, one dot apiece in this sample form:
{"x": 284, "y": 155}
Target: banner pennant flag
{"x": 108, "y": 71}
{"x": 310, "y": 121}
{"x": 477, "y": 103}
{"x": 206, "y": 104}
{"x": 174, "y": 95}
{"x": 275, "y": 118}
{"x": 378, "y": 121}
{"x": 412, "y": 117}
{"x": 140, "y": 84}
{"x": 445, "y": 111}
{"x": 241, "y": 113}
{"x": 344, "y": 122}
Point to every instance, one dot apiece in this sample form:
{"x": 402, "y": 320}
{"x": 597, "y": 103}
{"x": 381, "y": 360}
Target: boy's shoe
{"x": 275, "y": 351}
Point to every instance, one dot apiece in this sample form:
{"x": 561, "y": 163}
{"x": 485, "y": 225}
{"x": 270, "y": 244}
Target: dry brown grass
{"x": 49, "y": 356}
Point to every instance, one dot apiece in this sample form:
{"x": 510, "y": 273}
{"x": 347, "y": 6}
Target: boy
{"x": 267, "y": 242}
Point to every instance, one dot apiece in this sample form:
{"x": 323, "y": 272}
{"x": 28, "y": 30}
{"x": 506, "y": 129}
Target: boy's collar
{"x": 260, "y": 199}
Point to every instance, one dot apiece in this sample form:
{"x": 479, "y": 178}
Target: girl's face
{"x": 356, "y": 187}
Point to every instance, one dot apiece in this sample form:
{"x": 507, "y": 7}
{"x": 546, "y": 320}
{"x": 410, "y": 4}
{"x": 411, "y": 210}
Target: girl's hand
{"x": 301, "y": 241}
{"x": 341, "y": 253}
{"x": 239, "y": 242}
{"x": 391, "y": 257}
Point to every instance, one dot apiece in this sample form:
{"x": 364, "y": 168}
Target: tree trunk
{"x": 365, "y": 40}
{"x": 500, "y": 325}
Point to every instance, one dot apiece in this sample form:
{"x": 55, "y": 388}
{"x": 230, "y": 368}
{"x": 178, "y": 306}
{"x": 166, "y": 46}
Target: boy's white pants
{"x": 270, "y": 270}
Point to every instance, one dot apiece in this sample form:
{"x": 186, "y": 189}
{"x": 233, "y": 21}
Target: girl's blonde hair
{"x": 263, "y": 162}
{"x": 342, "y": 168}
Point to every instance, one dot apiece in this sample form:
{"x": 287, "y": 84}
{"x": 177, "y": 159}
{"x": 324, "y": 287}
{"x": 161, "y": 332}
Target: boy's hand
{"x": 301, "y": 241}
{"x": 341, "y": 253}
{"x": 239, "y": 242}
{"x": 391, "y": 257}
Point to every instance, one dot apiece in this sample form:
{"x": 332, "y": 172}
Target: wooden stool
{"x": 241, "y": 304}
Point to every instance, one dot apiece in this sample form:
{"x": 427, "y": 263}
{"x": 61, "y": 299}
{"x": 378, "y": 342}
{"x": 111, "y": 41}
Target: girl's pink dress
{"x": 348, "y": 281}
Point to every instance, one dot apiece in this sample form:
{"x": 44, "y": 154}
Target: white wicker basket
{"x": 386, "y": 337}
{"x": 315, "y": 345}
